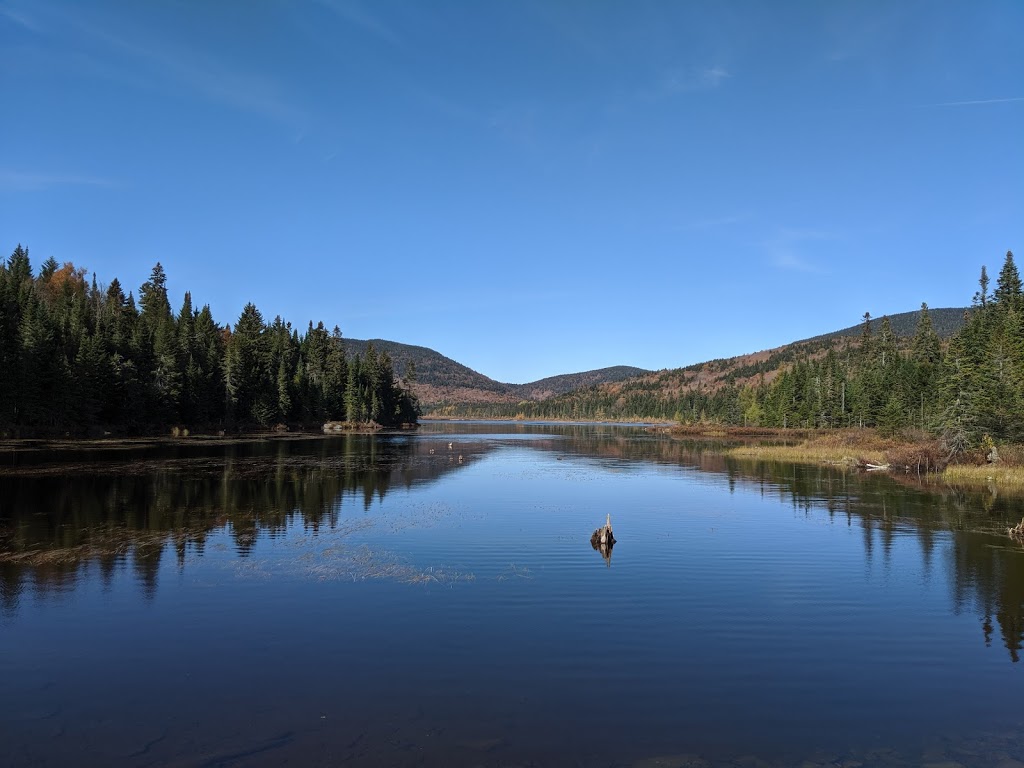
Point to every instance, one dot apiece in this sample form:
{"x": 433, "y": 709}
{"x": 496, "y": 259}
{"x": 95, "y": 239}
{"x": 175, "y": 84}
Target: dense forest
{"x": 965, "y": 389}
{"x": 77, "y": 358}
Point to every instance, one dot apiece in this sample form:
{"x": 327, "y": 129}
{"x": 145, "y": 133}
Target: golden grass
{"x": 800, "y": 454}
{"x": 851, "y": 447}
{"x": 858, "y": 447}
{"x": 1002, "y": 476}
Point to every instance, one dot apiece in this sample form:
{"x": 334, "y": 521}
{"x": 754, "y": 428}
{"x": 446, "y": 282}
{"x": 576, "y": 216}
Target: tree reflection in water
{"x": 59, "y": 521}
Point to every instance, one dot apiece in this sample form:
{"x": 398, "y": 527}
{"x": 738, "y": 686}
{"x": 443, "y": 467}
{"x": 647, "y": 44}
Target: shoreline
{"x": 513, "y": 420}
{"x": 866, "y": 449}
{"x": 28, "y": 446}
{"x": 838, "y": 448}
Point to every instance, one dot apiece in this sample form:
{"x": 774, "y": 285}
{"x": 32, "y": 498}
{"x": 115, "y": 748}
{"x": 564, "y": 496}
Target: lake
{"x": 432, "y": 598}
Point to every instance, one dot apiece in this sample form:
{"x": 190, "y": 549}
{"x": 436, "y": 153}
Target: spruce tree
{"x": 1008, "y": 285}
{"x": 246, "y": 369}
{"x": 925, "y": 347}
{"x": 981, "y": 297}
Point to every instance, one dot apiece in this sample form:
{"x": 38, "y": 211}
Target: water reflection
{"x": 59, "y": 521}
{"x": 93, "y": 516}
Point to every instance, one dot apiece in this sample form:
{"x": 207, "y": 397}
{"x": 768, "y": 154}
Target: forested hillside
{"x": 967, "y": 388}
{"x": 568, "y": 382}
{"x": 80, "y": 359}
{"x": 439, "y": 380}
{"x": 435, "y": 378}
{"x": 945, "y": 323}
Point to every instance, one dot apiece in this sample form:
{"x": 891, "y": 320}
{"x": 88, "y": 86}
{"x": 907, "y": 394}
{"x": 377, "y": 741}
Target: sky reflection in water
{"x": 388, "y": 600}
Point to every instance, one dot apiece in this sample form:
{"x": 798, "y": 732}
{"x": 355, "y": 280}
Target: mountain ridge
{"x": 445, "y": 386}
{"x": 441, "y": 380}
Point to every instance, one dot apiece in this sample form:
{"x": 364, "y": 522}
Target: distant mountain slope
{"x": 946, "y": 322}
{"x": 567, "y": 382}
{"x": 431, "y": 367}
{"x": 446, "y": 387}
{"x": 440, "y": 379}
{"x": 644, "y": 394}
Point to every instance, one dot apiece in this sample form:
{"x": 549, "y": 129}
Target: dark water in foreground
{"x": 385, "y": 601}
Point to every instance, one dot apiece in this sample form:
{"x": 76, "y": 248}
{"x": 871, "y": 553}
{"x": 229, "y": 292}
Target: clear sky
{"x": 531, "y": 188}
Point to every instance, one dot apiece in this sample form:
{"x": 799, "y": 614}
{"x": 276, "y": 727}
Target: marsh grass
{"x": 912, "y": 453}
{"x": 842, "y": 447}
{"x": 1003, "y": 476}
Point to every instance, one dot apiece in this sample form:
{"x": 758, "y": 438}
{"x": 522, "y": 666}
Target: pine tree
{"x": 981, "y": 297}
{"x": 336, "y": 377}
{"x": 208, "y": 356}
{"x": 353, "y": 401}
{"x": 248, "y": 382}
{"x": 926, "y": 348}
{"x": 1008, "y": 285}
{"x": 154, "y": 306}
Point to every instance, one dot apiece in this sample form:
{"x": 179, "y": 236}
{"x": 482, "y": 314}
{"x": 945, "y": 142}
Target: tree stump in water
{"x": 602, "y": 540}
{"x": 1017, "y": 532}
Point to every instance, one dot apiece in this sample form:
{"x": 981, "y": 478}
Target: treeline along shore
{"x": 966, "y": 391}
{"x": 80, "y": 359}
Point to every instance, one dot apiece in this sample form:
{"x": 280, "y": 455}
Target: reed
{"x": 1002, "y": 476}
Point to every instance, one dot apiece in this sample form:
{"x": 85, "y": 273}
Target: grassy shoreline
{"x": 919, "y": 454}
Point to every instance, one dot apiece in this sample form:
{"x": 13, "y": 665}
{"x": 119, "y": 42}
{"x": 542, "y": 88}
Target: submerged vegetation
{"x": 81, "y": 359}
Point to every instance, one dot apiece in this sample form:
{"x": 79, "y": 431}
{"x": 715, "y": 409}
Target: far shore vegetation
{"x": 952, "y": 408}
{"x": 79, "y": 359}
{"x": 82, "y": 360}
{"x": 915, "y": 453}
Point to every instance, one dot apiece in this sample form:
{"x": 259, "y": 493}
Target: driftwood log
{"x": 602, "y": 540}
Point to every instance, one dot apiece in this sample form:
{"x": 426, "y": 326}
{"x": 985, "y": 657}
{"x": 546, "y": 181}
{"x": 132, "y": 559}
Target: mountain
{"x": 446, "y": 387}
{"x": 946, "y": 322}
{"x": 438, "y": 378}
{"x": 441, "y": 380}
{"x": 568, "y": 382}
{"x": 660, "y": 394}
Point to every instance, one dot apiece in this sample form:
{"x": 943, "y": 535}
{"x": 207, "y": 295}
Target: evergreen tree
{"x": 154, "y": 306}
{"x": 208, "y": 358}
{"x": 246, "y": 369}
{"x": 353, "y": 401}
{"x": 926, "y": 349}
{"x": 1008, "y": 285}
{"x": 981, "y": 297}
{"x": 336, "y": 377}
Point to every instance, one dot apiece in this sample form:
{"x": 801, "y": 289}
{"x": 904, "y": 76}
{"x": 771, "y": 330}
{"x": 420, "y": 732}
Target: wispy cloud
{"x": 971, "y": 103}
{"x": 789, "y": 260}
{"x": 711, "y": 222}
{"x": 788, "y": 249}
{"x": 198, "y": 72}
{"x": 695, "y": 79}
{"x": 21, "y": 19}
{"x": 676, "y": 81}
{"x": 356, "y": 15}
{"x": 34, "y": 182}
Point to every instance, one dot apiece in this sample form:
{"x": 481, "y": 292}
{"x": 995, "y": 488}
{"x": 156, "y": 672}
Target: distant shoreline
{"x": 513, "y": 420}
{"x": 29, "y": 446}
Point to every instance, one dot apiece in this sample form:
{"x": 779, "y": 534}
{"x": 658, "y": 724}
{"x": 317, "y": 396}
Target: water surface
{"x": 391, "y": 600}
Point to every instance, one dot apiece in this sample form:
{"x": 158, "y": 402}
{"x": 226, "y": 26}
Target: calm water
{"x": 387, "y": 600}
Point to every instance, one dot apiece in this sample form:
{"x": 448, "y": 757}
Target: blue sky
{"x": 531, "y": 188}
